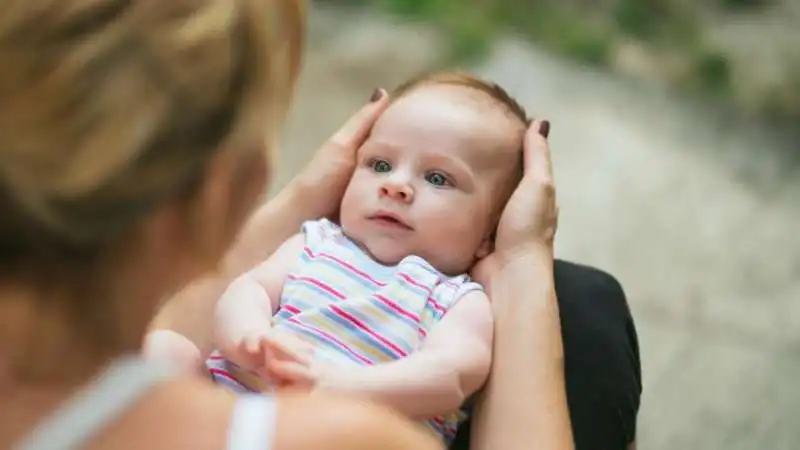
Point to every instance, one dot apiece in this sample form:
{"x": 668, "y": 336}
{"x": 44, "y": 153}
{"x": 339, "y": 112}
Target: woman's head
{"x": 129, "y": 126}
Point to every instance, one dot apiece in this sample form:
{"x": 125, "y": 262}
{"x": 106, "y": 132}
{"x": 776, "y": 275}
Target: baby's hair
{"x": 467, "y": 80}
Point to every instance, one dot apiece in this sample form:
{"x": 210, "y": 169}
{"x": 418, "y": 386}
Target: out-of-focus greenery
{"x": 583, "y": 29}
{"x": 666, "y": 33}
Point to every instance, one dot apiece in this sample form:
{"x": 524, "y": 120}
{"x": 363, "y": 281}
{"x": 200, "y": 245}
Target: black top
{"x": 601, "y": 351}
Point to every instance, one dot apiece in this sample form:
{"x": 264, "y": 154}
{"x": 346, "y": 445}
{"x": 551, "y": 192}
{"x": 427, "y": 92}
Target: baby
{"x": 383, "y": 302}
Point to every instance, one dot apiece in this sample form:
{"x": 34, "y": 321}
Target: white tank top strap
{"x": 96, "y": 406}
{"x": 118, "y": 388}
{"x": 253, "y": 423}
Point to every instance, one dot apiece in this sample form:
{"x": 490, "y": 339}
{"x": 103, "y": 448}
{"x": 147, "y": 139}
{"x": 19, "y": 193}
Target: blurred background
{"x": 676, "y": 144}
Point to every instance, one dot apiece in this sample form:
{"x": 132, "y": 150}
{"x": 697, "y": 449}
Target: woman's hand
{"x": 528, "y": 222}
{"x": 531, "y": 215}
{"x": 315, "y": 192}
{"x": 524, "y": 403}
{"x": 321, "y": 184}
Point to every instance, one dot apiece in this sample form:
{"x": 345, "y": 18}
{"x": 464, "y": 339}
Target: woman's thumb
{"x": 357, "y": 128}
{"x": 536, "y": 157}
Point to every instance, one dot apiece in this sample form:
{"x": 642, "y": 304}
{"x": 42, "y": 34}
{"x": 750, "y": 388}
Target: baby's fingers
{"x": 287, "y": 348}
{"x": 289, "y": 374}
{"x": 290, "y": 371}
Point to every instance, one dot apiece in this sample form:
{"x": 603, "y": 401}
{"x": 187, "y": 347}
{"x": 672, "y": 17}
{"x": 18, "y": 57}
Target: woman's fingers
{"x": 322, "y": 183}
{"x": 536, "y": 161}
{"x": 531, "y": 214}
{"x": 350, "y": 137}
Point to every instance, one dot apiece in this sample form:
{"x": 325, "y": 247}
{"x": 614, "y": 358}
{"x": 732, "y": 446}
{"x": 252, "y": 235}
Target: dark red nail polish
{"x": 544, "y": 128}
{"x": 377, "y": 94}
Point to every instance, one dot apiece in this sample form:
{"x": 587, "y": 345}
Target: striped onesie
{"x": 356, "y": 311}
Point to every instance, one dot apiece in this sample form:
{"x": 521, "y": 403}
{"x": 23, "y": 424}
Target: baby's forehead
{"x": 481, "y": 126}
{"x": 477, "y": 100}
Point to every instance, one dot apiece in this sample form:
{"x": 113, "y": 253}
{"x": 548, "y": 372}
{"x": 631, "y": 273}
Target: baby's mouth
{"x": 389, "y": 220}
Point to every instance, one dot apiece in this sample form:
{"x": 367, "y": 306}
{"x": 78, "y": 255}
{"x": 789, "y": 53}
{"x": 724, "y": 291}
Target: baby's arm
{"x": 453, "y": 363}
{"x": 244, "y": 311}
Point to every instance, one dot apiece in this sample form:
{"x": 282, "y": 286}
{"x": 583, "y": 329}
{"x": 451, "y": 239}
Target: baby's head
{"x": 436, "y": 172}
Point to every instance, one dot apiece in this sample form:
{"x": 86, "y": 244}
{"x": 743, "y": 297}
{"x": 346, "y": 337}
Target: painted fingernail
{"x": 377, "y": 94}
{"x": 544, "y": 128}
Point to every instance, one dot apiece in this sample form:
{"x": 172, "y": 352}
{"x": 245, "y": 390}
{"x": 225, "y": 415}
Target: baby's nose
{"x": 397, "y": 190}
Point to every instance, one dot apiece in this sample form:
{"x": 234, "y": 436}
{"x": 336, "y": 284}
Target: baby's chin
{"x": 387, "y": 255}
{"x": 392, "y": 256}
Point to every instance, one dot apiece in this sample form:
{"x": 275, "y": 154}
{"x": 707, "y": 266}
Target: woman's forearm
{"x": 524, "y": 405}
{"x": 270, "y": 226}
{"x": 190, "y": 312}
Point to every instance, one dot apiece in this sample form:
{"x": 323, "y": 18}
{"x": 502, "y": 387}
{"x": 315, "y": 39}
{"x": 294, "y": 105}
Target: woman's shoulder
{"x": 180, "y": 412}
{"x": 202, "y": 415}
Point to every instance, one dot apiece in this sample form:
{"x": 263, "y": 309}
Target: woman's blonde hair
{"x": 109, "y": 107}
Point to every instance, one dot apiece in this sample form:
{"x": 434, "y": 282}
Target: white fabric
{"x": 103, "y": 401}
{"x": 99, "y": 404}
{"x": 253, "y": 423}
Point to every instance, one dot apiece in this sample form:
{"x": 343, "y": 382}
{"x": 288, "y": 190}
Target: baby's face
{"x": 433, "y": 177}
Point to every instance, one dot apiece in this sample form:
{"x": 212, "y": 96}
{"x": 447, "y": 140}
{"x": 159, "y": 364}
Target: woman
{"x": 131, "y": 150}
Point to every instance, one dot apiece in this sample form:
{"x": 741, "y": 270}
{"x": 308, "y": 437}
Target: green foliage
{"x": 590, "y": 31}
{"x": 637, "y": 18}
{"x": 738, "y": 5}
{"x": 413, "y": 8}
{"x": 713, "y": 72}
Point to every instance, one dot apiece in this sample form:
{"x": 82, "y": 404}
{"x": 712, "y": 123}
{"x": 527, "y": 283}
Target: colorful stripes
{"x": 357, "y": 311}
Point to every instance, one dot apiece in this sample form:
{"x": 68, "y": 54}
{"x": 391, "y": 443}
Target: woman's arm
{"x": 324, "y": 422}
{"x": 189, "y": 413}
{"x": 524, "y": 402}
{"x": 525, "y": 405}
{"x": 191, "y": 312}
{"x": 313, "y": 193}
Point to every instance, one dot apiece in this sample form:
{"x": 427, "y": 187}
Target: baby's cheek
{"x": 457, "y": 233}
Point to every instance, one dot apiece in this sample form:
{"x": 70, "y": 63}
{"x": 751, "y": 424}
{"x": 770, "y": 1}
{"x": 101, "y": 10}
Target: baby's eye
{"x": 437, "y": 179}
{"x": 381, "y": 166}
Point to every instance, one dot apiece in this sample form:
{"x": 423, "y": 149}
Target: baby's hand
{"x": 290, "y": 363}
{"x": 248, "y": 352}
